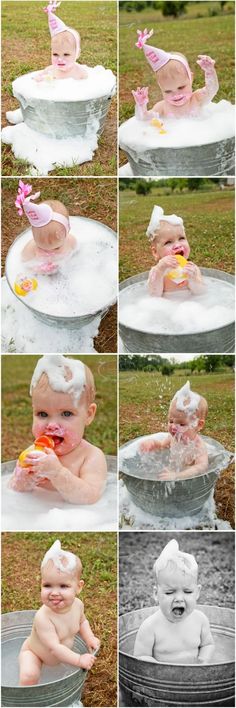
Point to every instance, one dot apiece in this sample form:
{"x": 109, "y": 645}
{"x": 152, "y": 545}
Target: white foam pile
{"x": 132, "y": 517}
{"x": 216, "y": 122}
{"x": 177, "y": 313}
{"x": 43, "y": 510}
{"x": 23, "y": 333}
{"x": 86, "y": 279}
{"x": 100, "y": 82}
{"x": 45, "y": 154}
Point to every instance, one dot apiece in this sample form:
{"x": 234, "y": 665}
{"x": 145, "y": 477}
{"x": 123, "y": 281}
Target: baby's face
{"x": 181, "y": 426}
{"x": 176, "y": 89}
{"x": 55, "y": 414}
{"x": 58, "y": 589}
{"x": 63, "y": 51}
{"x": 50, "y": 239}
{"x": 177, "y": 593}
{"x": 170, "y": 241}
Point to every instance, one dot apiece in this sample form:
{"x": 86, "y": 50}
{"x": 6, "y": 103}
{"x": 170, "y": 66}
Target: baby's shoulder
{"x": 200, "y": 617}
{"x": 91, "y": 452}
{"x": 151, "y": 623}
{"x": 41, "y": 616}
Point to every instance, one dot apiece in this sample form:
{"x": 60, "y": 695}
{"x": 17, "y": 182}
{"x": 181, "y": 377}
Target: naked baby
{"x": 63, "y": 393}
{"x": 170, "y": 249}
{"x": 65, "y": 50}
{"x": 178, "y": 633}
{"x": 59, "y": 619}
{"x": 52, "y": 241}
{"x": 188, "y": 452}
{"x": 175, "y": 80}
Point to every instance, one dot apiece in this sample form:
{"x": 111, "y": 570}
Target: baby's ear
{"x": 201, "y": 423}
{"x": 80, "y": 586}
{"x": 155, "y": 594}
{"x": 91, "y": 412}
{"x": 199, "y": 587}
{"x": 154, "y": 251}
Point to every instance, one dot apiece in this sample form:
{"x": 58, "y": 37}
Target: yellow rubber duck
{"x": 39, "y": 444}
{"x": 23, "y": 286}
{"x": 178, "y": 272}
{"x": 158, "y": 124}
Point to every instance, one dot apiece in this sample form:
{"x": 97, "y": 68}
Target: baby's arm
{"x": 141, "y": 100}
{"x": 211, "y": 87}
{"x": 157, "y": 275}
{"x": 152, "y": 444}
{"x": 22, "y": 479}
{"x": 207, "y": 642}
{"x": 144, "y": 642}
{"x": 87, "y": 634}
{"x": 85, "y": 489}
{"x": 48, "y": 637}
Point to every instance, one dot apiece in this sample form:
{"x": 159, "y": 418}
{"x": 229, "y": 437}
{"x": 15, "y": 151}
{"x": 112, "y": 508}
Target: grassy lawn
{"x": 214, "y": 553}
{"x": 190, "y": 35}
{"x": 26, "y": 47}
{"x": 17, "y": 371}
{"x": 22, "y": 554}
{"x": 209, "y": 225}
{"x": 144, "y": 402}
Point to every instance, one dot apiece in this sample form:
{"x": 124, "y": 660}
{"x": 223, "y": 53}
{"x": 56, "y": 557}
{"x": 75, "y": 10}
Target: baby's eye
{"x": 67, "y": 414}
{"x": 181, "y": 87}
{"x": 181, "y": 238}
{"x": 66, "y": 54}
{"x": 55, "y": 54}
{"x": 42, "y": 414}
{"x": 46, "y": 585}
{"x": 64, "y": 586}
{"x": 167, "y": 243}
{"x": 169, "y": 592}
{"x": 188, "y": 592}
{"x": 168, "y": 91}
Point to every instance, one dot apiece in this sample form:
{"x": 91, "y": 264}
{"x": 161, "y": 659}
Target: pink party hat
{"x": 56, "y": 25}
{"x": 157, "y": 58}
{"x": 37, "y": 214}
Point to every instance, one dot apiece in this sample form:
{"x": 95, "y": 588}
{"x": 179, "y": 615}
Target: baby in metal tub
{"x": 171, "y": 250}
{"x": 63, "y": 394}
{"x": 178, "y": 633}
{"x": 59, "y": 619}
{"x": 188, "y": 452}
{"x": 175, "y": 80}
{"x": 52, "y": 240}
{"x": 65, "y": 50}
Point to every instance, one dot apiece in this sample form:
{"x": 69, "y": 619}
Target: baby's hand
{"x": 141, "y": 96}
{"x": 94, "y": 643}
{"x": 22, "y": 479}
{"x": 149, "y": 445}
{"x": 44, "y": 463}
{"x": 47, "y": 268}
{"x": 86, "y": 661}
{"x": 205, "y": 62}
{"x": 166, "y": 263}
{"x": 166, "y": 475}
{"x": 192, "y": 271}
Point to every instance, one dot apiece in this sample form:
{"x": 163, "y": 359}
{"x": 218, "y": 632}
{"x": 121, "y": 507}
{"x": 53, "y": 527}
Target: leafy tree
{"x": 174, "y": 8}
{"x": 167, "y": 369}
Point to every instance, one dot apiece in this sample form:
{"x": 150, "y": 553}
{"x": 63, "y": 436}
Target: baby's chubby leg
{"x": 30, "y": 666}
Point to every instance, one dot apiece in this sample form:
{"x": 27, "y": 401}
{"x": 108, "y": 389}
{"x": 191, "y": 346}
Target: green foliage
{"x": 167, "y": 369}
{"x": 173, "y": 8}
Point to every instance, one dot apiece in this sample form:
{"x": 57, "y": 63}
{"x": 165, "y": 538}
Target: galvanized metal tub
{"x": 220, "y": 340}
{"x": 16, "y": 626}
{"x": 172, "y": 499}
{"x": 77, "y": 322}
{"x": 144, "y": 683}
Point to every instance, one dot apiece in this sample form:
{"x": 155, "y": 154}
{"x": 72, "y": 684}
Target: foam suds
{"x": 99, "y": 82}
{"x": 186, "y": 400}
{"x": 180, "y": 312}
{"x": 55, "y": 367}
{"x": 42, "y": 510}
{"x": 23, "y": 333}
{"x": 45, "y": 154}
{"x": 216, "y": 122}
{"x": 56, "y": 554}
{"x": 85, "y": 281}
{"x": 157, "y": 216}
{"x": 171, "y": 552}
{"x": 132, "y": 517}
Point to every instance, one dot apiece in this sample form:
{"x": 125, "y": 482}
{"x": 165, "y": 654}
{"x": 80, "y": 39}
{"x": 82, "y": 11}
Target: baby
{"x": 175, "y": 80}
{"x": 63, "y": 394}
{"x": 168, "y": 240}
{"x": 188, "y": 452}
{"x": 177, "y": 633}
{"x": 65, "y": 50}
{"x": 52, "y": 240}
{"x": 59, "y": 619}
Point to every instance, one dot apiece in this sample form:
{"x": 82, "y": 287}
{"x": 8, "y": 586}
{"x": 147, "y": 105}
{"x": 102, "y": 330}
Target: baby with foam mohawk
{"x": 178, "y": 633}
{"x": 175, "y": 80}
{"x": 65, "y": 49}
{"x": 188, "y": 452}
{"x": 170, "y": 249}
{"x": 59, "y": 619}
{"x": 52, "y": 240}
{"x": 63, "y": 393}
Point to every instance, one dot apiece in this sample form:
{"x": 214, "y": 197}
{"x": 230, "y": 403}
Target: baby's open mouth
{"x": 179, "y": 252}
{"x": 57, "y": 439}
{"x": 178, "y": 611}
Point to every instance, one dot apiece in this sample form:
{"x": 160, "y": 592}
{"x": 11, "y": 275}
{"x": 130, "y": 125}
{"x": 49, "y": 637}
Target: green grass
{"x": 26, "y": 47}
{"x": 16, "y": 403}
{"x": 209, "y": 225}
{"x": 145, "y": 398}
{"x": 22, "y": 554}
{"x": 204, "y": 35}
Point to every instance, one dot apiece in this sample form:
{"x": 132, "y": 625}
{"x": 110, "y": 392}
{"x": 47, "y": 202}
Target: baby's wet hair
{"x": 179, "y": 562}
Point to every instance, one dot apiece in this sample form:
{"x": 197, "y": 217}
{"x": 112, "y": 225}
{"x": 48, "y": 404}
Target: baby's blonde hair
{"x": 155, "y": 235}
{"x": 172, "y": 68}
{"x": 48, "y": 234}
